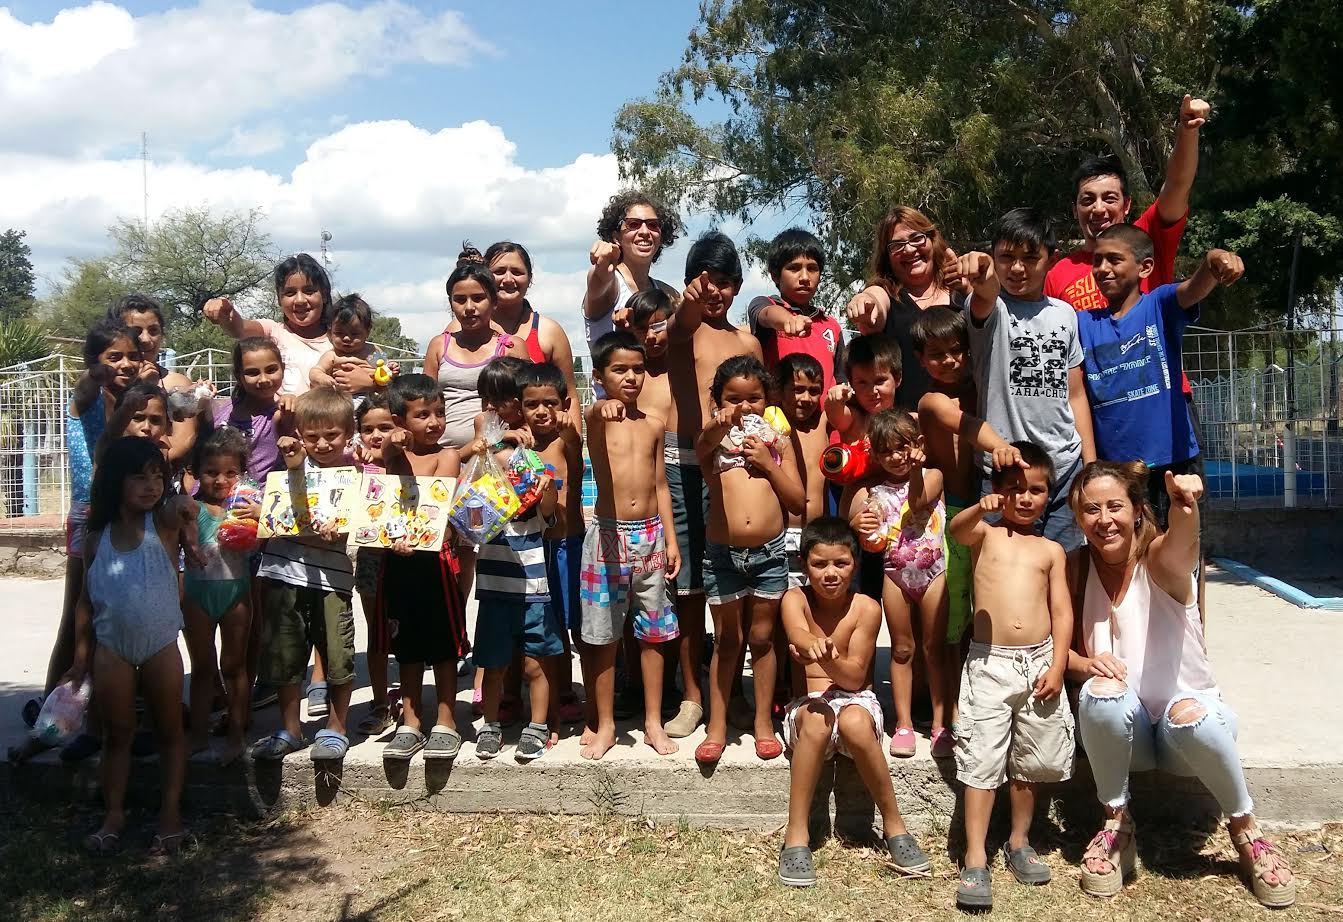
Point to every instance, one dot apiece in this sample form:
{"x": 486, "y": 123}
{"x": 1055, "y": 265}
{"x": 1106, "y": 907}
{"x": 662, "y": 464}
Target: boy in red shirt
{"x": 789, "y": 323}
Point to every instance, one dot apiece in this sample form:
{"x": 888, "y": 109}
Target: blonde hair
{"x": 324, "y": 406}
{"x": 879, "y": 267}
{"x": 1132, "y": 476}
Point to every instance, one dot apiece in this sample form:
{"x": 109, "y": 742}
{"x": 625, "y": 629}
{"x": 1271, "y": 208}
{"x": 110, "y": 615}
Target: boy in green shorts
{"x": 309, "y": 584}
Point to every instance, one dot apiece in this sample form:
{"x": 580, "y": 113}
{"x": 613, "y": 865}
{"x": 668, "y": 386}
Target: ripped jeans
{"x": 1120, "y": 738}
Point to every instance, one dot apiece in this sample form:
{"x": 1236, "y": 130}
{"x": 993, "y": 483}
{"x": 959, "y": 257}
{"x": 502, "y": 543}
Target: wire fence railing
{"x": 34, "y": 404}
{"x": 1269, "y": 404}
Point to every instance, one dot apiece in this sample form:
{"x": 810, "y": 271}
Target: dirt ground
{"x": 360, "y": 862}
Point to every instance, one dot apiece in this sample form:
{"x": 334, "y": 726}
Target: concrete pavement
{"x": 1273, "y": 662}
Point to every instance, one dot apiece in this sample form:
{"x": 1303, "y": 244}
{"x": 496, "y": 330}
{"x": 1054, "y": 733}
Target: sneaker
{"x": 477, "y": 702}
{"x": 263, "y": 696}
{"x": 944, "y": 743}
{"x": 489, "y": 741}
{"x": 532, "y": 742}
{"x": 318, "y": 706}
{"x": 902, "y": 743}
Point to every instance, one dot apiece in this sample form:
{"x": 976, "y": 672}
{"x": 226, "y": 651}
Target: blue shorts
{"x": 690, "y": 512}
{"x": 732, "y": 573}
{"x": 501, "y": 624}
{"x": 564, "y": 561}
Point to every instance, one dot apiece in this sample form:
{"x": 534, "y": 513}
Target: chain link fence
{"x": 1268, "y": 404}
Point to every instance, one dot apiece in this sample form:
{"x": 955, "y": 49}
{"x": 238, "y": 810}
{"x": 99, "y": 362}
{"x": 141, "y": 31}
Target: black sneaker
{"x": 532, "y": 743}
{"x": 489, "y": 740}
{"x": 263, "y": 696}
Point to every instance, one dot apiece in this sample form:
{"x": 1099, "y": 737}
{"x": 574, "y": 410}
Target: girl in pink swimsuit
{"x": 904, "y": 517}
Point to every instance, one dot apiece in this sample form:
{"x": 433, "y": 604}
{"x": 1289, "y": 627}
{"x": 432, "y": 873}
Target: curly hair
{"x": 608, "y": 225}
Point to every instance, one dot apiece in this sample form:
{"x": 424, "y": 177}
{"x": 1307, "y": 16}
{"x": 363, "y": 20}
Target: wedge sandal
{"x": 1123, "y": 859}
{"x": 1265, "y": 859}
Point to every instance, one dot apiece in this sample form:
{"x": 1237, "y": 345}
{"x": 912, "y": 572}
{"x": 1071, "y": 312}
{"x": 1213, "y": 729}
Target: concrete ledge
{"x": 37, "y": 552}
{"x": 739, "y": 793}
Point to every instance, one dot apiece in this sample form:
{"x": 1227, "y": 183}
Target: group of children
{"x": 707, "y": 444}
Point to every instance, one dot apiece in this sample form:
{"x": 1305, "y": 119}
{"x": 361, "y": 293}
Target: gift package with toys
{"x": 392, "y": 507}
{"x": 485, "y": 500}
{"x": 306, "y": 500}
{"x": 238, "y": 531}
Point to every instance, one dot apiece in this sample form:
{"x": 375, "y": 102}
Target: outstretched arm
{"x": 1172, "y": 202}
{"x": 1174, "y": 555}
{"x": 600, "y": 295}
{"x": 1219, "y": 267}
{"x": 968, "y": 527}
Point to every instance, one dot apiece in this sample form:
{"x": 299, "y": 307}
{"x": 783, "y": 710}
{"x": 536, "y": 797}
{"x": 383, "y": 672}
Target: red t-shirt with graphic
{"x": 1070, "y": 278}
{"x": 825, "y": 342}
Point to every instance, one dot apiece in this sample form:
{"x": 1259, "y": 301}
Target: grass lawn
{"x": 359, "y": 862}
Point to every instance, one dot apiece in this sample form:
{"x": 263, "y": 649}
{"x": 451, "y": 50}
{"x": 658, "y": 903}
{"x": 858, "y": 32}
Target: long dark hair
{"x": 302, "y": 262}
{"x": 124, "y": 457}
{"x": 471, "y": 265}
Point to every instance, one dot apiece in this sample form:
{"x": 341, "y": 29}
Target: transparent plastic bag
{"x": 62, "y": 714}
{"x": 484, "y": 501}
{"x": 237, "y": 532}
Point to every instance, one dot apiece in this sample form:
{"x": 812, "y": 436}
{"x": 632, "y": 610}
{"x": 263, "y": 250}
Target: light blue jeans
{"x": 1120, "y": 739}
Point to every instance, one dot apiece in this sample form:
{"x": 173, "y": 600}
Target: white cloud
{"x": 252, "y": 142}
{"x": 81, "y": 82}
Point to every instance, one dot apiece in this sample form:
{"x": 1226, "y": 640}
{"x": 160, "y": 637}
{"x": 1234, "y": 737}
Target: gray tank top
{"x": 461, "y": 395}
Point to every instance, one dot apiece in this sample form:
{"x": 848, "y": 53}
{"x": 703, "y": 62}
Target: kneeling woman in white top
{"x": 1150, "y": 700}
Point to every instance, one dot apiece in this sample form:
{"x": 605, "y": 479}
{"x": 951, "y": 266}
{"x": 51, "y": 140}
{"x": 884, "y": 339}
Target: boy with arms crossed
{"x": 832, "y": 633}
{"x": 627, "y": 555}
{"x": 1014, "y": 721}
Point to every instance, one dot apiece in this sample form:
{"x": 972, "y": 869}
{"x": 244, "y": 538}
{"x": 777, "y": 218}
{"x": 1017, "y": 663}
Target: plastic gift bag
{"x": 484, "y": 501}
{"x": 236, "y": 532}
{"x": 525, "y": 469}
{"x": 62, "y": 714}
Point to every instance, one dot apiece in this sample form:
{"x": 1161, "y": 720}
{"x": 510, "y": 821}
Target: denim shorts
{"x": 732, "y": 573}
{"x": 501, "y": 625}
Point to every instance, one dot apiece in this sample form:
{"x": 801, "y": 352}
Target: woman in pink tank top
{"x": 1149, "y": 700}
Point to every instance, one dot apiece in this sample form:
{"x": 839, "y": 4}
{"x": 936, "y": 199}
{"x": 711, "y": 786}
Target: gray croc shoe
{"x": 1026, "y": 865}
{"x": 443, "y": 743}
{"x": 328, "y": 746}
{"x": 404, "y": 745}
{"x": 907, "y": 855}
{"x": 278, "y": 745}
{"x": 975, "y": 890}
{"x": 796, "y": 868}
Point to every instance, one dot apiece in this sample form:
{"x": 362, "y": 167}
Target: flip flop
{"x": 102, "y": 843}
{"x": 169, "y": 844}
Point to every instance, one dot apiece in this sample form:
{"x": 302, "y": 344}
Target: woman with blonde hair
{"x": 1149, "y": 700}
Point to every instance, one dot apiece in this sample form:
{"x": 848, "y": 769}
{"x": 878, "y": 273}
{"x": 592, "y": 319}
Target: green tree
{"x": 838, "y": 109}
{"x": 191, "y": 255}
{"x": 387, "y": 332}
{"x": 87, "y": 288}
{"x": 16, "y": 276}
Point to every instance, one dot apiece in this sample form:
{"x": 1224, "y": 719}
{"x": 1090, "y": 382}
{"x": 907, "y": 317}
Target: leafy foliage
{"x": 837, "y": 109}
{"x": 21, "y": 341}
{"x": 16, "y": 276}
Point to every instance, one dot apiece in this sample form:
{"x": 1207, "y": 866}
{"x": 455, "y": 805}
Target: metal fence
{"x": 1268, "y": 404}
{"x": 34, "y": 401}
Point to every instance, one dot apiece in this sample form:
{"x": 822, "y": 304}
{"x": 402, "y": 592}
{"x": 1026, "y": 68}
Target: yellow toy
{"x": 382, "y": 375}
{"x": 777, "y": 421}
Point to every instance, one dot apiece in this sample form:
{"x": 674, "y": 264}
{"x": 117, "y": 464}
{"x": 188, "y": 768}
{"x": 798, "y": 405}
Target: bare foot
{"x": 589, "y": 732}
{"x": 656, "y": 737}
{"x": 599, "y": 745}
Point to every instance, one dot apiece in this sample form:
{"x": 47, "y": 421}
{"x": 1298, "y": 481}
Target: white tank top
{"x": 1158, "y": 639}
{"x": 595, "y": 329}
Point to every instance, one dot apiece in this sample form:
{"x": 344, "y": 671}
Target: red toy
{"x": 847, "y": 462}
{"x": 237, "y": 533}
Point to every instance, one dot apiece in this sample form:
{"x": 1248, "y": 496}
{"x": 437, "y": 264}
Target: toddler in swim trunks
{"x": 904, "y": 518}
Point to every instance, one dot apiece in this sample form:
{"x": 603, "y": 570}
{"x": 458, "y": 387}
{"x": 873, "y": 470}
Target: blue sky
{"x": 400, "y": 127}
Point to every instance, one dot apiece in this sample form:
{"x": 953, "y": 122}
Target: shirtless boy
{"x": 628, "y": 558}
{"x": 700, "y": 338}
{"x": 832, "y": 633}
{"x": 1021, "y": 725}
{"x": 801, "y": 390}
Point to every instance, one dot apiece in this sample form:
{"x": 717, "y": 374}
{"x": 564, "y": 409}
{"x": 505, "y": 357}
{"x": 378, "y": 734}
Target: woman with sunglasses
{"x": 906, "y": 276}
{"x": 631, "y": 234}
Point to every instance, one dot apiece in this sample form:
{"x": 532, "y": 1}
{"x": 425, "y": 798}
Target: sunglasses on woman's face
{"x": 632, "y": 225}
{"x": 913, "y": 241}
